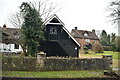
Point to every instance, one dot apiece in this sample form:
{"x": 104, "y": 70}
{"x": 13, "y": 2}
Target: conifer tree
{"x": 32, "y": 28}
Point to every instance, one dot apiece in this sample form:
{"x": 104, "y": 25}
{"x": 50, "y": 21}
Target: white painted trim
{"x": 55, "y": 23}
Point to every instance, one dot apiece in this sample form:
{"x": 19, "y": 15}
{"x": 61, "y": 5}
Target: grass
{"x": 116, "y": 58}
{"x": 56, "y": 74}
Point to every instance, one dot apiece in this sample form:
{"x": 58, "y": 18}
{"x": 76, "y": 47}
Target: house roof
{"x": 8, "y": 35}
{"x": 55, "y": 17}
{"x": 80, "y": 34}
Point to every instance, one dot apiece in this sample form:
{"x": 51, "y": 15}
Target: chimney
{"x": 75, "y": 28}
{"x": 4, "y": 26}
{"x": 93, "y": 31}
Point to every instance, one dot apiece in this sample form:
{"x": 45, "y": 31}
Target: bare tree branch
{"x": 16, "y": 20}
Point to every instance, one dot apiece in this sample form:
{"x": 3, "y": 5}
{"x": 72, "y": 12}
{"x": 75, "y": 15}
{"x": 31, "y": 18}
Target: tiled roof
{"x": 80, "y": 34}
{"x": 8, "y": 35}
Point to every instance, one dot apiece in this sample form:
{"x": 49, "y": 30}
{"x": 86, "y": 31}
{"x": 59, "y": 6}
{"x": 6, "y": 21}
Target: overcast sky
{"x": 84, "y": 14}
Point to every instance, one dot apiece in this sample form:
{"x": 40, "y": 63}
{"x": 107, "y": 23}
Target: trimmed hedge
{"x": 107, "y": 48}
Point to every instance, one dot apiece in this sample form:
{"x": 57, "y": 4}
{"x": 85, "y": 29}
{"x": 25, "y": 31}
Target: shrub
{"x": 107, "y": 48}
{"x": 97, "y": 48}
{"x": 85, "y": 50}
{"x": 113, "y": 46}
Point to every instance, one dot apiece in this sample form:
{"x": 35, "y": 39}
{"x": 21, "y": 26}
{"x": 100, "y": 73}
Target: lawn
{"x": 91, "y": 54}
{"x": 56, "y": 74}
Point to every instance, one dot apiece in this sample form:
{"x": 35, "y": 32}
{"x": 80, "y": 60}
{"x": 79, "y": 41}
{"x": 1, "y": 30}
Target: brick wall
{"x": 82, "y": 42}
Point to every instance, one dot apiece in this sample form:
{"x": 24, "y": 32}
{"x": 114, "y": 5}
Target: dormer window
{"x": 85, "y": 34}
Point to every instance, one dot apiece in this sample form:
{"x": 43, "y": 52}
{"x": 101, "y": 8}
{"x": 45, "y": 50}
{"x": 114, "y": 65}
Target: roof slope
{"x": 9, "y": 35}
{"x": 80, "y": 34}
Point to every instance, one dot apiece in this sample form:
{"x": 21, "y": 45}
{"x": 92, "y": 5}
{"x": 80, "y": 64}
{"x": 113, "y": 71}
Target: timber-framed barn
{"x": 59, "y": 41}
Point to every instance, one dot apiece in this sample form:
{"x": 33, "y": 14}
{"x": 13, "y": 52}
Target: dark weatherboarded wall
{"x": 58, "y": 42}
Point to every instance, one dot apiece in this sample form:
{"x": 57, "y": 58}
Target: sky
{"x": 84, "y": 14}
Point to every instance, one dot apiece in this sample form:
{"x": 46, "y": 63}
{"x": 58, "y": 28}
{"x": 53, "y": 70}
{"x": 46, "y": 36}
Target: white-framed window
{"x": 85, "y": 34}
{"x": 87, "y": 40}
{"x": 53, "y": 30}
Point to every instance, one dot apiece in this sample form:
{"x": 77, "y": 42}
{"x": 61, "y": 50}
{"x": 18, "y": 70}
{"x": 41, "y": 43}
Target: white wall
{"x": 9, "y": 48}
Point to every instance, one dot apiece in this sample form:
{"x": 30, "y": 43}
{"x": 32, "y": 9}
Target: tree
{"x": 108, "y": 38}
{"x": 45, "y": 9}
{"x": 115, "y": 15}
{"x": 104, "y": 38}
{"x": 115, "y": 10}
{"x": 32, "y": 28}
{"x": 118, "y": 43}
{"x": 17, "y": 21}
{"x": 113, "y": 37}
{"x": 113, "y": 42}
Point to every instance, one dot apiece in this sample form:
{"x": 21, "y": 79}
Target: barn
{"x": 59, "y": 41}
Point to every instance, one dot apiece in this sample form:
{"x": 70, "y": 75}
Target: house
{"x": 85, "y": 38}
{"x": 9, "y": 40}
{"x": 59, "y": 41}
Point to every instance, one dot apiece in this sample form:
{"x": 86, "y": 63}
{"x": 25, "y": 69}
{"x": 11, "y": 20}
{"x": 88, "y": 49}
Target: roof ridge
{"x": 83, "y": 30}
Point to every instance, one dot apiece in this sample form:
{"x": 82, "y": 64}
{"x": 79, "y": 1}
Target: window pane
{"x": 87, "y": 40}
{"x": 85, "y": 34}
{"x": 53, "y": 30}
{"x": 16, "y": 46}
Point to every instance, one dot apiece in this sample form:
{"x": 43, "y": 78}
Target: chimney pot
{"x": 4, "y": 26}
{"x": 75, "y": 28}
{"x": 93, "y": 30}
